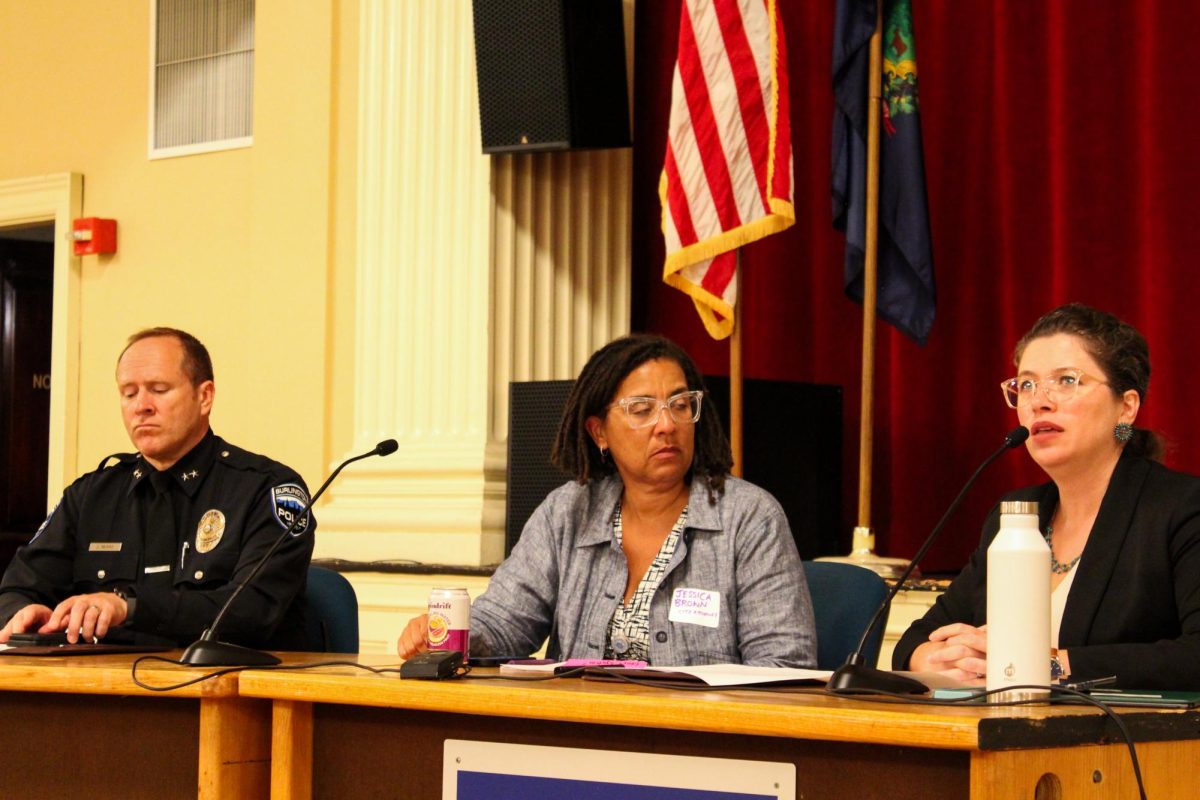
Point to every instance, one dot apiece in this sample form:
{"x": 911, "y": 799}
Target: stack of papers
{"x": 724, "y": 674}
{"x": 545, "y": 666}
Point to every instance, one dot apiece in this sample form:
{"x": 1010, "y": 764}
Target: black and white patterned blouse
{"x": 629, "y": 630}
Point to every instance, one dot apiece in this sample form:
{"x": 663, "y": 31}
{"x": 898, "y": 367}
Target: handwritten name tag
{"x": 104, "y": 547}
{"x": 696, "y": 606}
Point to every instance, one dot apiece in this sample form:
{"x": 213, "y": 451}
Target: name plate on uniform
{"x": 104, "y": 547}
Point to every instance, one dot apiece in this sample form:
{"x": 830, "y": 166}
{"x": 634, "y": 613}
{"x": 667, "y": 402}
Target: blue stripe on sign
{"x": 498, "y": 786}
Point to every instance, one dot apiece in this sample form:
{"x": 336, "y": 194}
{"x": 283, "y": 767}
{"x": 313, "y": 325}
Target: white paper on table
{"x": 743, "y": 675}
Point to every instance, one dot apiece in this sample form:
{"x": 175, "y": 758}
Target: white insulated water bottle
{"x": 1018, "y": 603}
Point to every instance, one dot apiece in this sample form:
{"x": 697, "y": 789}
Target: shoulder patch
{"x": 44, "y": 525}
{"x": 288, "y": 502}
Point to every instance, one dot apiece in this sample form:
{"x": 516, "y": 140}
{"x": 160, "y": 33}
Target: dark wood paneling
{"x": 98, "y": 746}
{"x": 376, "y": 752}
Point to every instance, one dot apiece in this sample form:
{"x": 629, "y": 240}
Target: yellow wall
{"x": 255, "y": 251}
{"x": 237, "y": 247}
{"x": 340, "y": 340}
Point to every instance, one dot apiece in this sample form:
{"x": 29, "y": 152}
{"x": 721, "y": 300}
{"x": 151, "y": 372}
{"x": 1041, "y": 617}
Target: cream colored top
{"x": 1058, "y": 601}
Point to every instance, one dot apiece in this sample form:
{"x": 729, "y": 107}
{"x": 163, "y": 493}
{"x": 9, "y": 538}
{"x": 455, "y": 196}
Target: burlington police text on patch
{"x": 45, "y": 524}
{"x": 289, "y": 501}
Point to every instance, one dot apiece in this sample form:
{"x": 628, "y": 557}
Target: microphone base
{"x": 859, "y": 679}
{"x": 202, "y": 653}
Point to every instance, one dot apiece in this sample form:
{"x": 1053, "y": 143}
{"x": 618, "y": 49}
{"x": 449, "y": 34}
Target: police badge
{"x": 210, "y": 530}
{"x": 289, "y": 504}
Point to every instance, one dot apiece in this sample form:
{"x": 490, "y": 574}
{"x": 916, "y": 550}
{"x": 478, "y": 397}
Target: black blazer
{"x": 1134, "y": 606}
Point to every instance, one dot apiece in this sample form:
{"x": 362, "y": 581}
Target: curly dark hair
{"x": 197, "y": 364}
{"x": 1119, "y": 349}
{"x": 595, "y": 389}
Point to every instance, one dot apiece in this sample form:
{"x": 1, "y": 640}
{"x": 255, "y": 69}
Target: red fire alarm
{"x": 94, "y": 235}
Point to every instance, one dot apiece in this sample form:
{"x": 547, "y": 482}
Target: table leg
{"x": 291, "y": 750}
{"x": 235, "y": 748}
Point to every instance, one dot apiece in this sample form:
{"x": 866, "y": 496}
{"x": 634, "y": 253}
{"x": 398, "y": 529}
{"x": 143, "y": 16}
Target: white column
{"x": 471, "y": 271}
{"x": 560, "y": 265}
{"x": 421, "y": 312}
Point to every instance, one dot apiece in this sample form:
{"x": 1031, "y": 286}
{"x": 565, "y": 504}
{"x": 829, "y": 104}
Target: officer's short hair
{"x": 196, "y": 361}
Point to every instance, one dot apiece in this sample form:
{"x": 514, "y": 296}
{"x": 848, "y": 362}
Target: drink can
{"x": 449, "y": 625}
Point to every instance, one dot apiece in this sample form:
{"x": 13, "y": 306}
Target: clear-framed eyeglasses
{"x": 642, "y": 412}
{"x": 1060, "y": 386}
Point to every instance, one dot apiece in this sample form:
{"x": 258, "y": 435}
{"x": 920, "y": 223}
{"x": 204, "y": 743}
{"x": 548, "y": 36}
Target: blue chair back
{"x": 844, "y": 597}
{"x": 332, "y": 612}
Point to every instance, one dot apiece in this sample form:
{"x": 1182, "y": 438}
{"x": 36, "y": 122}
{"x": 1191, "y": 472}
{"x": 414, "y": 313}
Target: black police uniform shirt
{"x": 227, "y": 506}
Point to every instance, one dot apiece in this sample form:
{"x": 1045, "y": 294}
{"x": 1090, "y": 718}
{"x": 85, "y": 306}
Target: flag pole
{"x": 870, "y": 273}
{"x": 862, "y": 548}
{"x": 703, "y": 258}
{"x": 735, "y": 375}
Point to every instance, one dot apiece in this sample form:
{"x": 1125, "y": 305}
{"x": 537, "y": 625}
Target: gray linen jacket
{"x": 567, "y": 573}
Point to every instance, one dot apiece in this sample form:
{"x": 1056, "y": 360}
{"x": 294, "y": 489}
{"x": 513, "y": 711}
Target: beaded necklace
{"x": 1056, "y": 566}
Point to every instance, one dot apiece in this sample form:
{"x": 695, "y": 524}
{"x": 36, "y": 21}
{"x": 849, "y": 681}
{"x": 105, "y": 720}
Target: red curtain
{"x": 1061, "y": 165}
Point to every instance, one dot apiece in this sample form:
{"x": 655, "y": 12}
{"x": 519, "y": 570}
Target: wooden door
{"x": 26, "y": 295}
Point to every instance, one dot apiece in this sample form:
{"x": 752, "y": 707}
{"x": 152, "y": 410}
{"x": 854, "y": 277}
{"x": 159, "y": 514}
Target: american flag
{"x": 727, "y": 176}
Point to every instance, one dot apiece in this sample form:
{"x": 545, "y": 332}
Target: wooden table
{"x": 342, "y": 733}
{"x": 80, "y": 727}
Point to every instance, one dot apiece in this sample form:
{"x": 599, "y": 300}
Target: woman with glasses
{"x": 1123, "y": 530}
{"x": 654, "y": 553}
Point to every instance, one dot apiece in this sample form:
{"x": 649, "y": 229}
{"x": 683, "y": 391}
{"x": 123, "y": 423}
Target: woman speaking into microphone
{"x": 1123, "y": 530}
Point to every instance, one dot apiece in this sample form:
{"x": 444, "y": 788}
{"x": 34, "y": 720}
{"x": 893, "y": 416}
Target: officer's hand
{"x": 412, "y": 640}
{"x": 28, "y": 618}
{"x": 87, "y": 616}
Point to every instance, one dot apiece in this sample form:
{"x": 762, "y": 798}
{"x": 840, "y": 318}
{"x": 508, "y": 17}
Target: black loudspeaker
{"x": 792, "y": 445}
{"x": 551, "y": 74}
{"x": 534, "y": 414}
{"x": 792, "y": 439}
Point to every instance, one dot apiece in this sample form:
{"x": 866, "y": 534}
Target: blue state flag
{"x": 906, "y": 292}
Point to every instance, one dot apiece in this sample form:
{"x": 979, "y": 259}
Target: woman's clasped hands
{"x": 958, "y": 650}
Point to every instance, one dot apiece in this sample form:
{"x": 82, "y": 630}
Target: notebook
{"x": 118, "y": 640}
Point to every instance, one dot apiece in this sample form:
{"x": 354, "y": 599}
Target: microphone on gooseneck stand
{"x": 207, "y": 651}
{"x": 855, "y": 677}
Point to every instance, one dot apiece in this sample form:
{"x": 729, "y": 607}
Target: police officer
{"x": 157, "y": 541}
